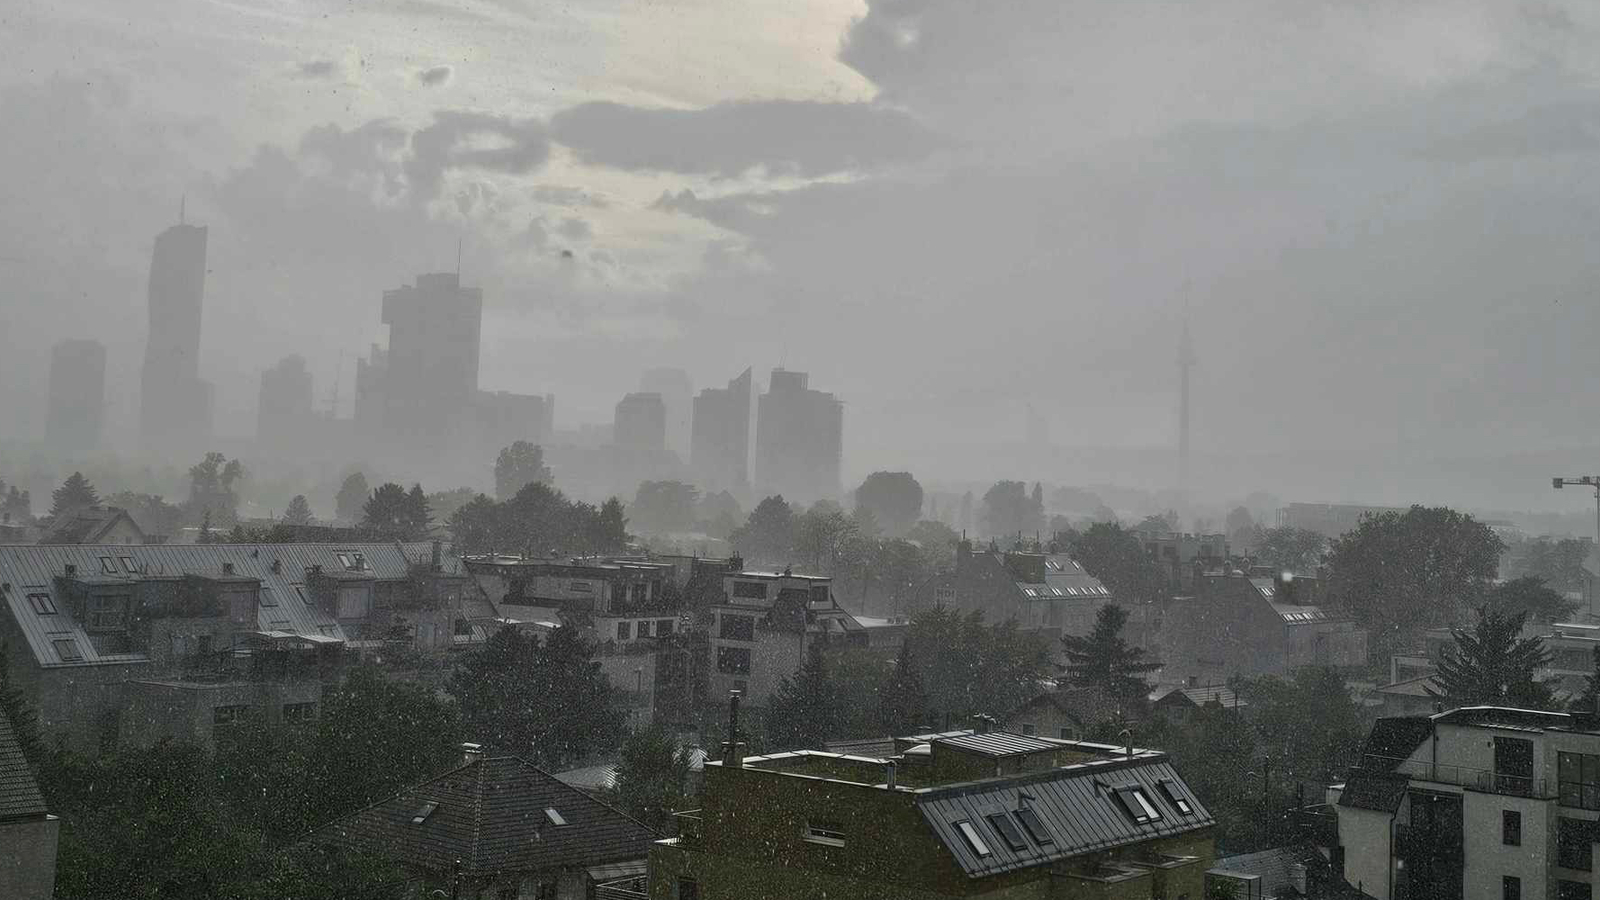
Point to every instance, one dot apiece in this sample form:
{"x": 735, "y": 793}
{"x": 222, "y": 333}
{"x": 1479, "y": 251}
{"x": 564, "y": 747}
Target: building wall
{"x": 1487, "y": 856}
{"x": 1045, "y": 720}
{"x": 28, "y": 858}
{"x": 1365, "y": 836}
{"x": 151, "y": 711}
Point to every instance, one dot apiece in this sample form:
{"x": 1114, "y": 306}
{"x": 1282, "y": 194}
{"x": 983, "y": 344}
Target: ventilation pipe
{"x": 733, "y": 748}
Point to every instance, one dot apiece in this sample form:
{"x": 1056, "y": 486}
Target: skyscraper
{"x": 640, "y": 427}
{"x": 1185, "y": 363}
{"x": 719, "y": 443}
{"x": 76, "y": 414}
{"x": 284, "y": 416}
{"x": 677, "y": 392}
{"x": 799, "y": 439}
{"x": 430, "y": 370}
{"x": 174, "y": 403}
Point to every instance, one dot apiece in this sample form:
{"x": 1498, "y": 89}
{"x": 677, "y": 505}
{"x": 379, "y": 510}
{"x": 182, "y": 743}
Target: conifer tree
{"x": 1103, "y": 659}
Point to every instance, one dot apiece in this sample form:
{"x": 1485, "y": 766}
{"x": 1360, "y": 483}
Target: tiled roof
{"x": 1075, "y": 804}
{"x": 33, "y": 569}
{"x": 492, "y": 815}
{"x": 19, "y": 792}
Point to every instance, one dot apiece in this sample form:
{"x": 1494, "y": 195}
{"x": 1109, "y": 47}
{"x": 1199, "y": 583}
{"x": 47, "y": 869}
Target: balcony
{"x": 689, "y": 826}
{"x": 1484, "y": 780}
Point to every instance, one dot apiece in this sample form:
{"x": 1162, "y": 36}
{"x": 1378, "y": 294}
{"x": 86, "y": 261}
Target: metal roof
{"x": 998, "y": 743}
{"x": 1075, "y": 804}
{"x": 33, "y": 569}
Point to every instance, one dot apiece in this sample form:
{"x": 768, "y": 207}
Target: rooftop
{"x": 19, "y": 792}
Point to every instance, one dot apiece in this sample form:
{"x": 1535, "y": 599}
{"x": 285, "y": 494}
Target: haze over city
{"x": 1376, "y": 220}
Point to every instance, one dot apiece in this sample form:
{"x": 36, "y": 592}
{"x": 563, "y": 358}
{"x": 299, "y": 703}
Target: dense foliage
{"x": 893, "y": 498}
{"x": 1492, "y": 664}
{"x": 75, "y": 493}
{"x": 518, "y": 466}
{"x": 1102, "y": 659}
{"x": 1112, "y": 555}
{"x": 539, "y": 520}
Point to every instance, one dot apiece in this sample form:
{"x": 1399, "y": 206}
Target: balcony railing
{"x": 688, "y": 825}
{"x": 1468, "y": 777}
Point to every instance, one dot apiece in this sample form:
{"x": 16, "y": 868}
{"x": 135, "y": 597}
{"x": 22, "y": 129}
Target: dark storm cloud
{"x": 435, "y": 75}
{"x": 474, "y": 140}
{"x": 728, "y": 139}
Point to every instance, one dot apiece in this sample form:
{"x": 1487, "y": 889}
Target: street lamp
{"x": 1586, "y": 481}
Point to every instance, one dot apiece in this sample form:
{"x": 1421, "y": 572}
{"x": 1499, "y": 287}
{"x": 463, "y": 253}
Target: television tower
{"x": 1185, "y": 363}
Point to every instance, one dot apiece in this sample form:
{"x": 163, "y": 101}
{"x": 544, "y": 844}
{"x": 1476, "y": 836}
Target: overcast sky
{"x": 1379, "y": 217}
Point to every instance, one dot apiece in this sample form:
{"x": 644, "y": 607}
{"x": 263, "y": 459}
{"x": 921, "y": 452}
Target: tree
{"x": 1113, "y": 555}
{"x": 903, "y": 704}
{"x": 1491, "y": 665}
{"x": 16, "y": 506}
{"x": 1008, "y": 510}
{"x": 1291, "y": 549}
{"x": 211, "y": 489}
{"x": 474, "y": 526}
{"x": 298, "y": 512}
{"x": 968, "y": 667}
{"x": 1530, "y": 595}
{"x": 660, "y": 507}
{"x": 893, "y": 498}
{"x": 653, "y": 776}
{"x": 608, "y": 528}
{"x": 1558, "y": 562}
{"x": 1309, "y": 720}
{"x": 445, "y": 503}
{"x": 74, "y": 494}
{"x": 418, "y": 517}
{"x": 1104, "y": 660}
{"x": 1589, "y": 700}
{"x": 719, "y": 515}
{"x": 1398, "y": 573}
{"x": 769, "y": 534}
{"x": 154, "y": 514}
{"x": 517, "y": 466}
{"x": 353, "y": 494}
{"x": 545, "y": 700}
{"x": 397, "y": 512}
{"x": 821, "y": 533}
{"x": 803, "y": 712}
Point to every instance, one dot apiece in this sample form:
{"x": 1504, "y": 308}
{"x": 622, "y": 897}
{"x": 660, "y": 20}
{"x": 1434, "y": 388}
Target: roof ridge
{"x": 477, "y": 814}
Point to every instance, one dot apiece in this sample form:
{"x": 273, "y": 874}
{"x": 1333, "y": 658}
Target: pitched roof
{"x": 1381, "y": 791}
{"x": 87, "y": 525}
{"x": 19, "y": 792}
{"x": 1275, "y": 867}
{"x": 1075, "y": 804}
{"x": 1393, "y": 739}
{"x": 1199, "y": 696}
{"x": 494, "y": 815}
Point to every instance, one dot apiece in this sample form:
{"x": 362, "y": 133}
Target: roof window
{"x": 67, "y": 649}
{"x": 829, "y": 833}
{"x": 1137, "y": 805}
{"x": 554, "y": 817}
{"x": 108, "y": 565}
{"x": 1034, "y": 826}
{"x": 423, "y": 812}
{"x": 974, "y": 840}
{"x": 1007, "y": 830}
{"x": 1176, "y": 798}
{"x": 128, "y": 566}
{"x": 42, "y": 604}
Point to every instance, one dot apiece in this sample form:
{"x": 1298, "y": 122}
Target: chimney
{"x": 471, "y": 753}
{"x": 277, "y": 566}
{"x": 71, "y": 570}
{"x": 733, "y": 748}
{"x": 227, "y": 568}
{"x": 888, "y": 774}
{"x": 438, "y": 561}
{"x": 982, "y": 723}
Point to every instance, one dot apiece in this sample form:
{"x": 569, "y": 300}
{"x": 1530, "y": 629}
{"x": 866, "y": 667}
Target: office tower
{"x": 719, "y": 446}
{"x": 639, "y": 430}
{"x": 174, "y": 404}
{"x": 430, "y": 369}
{"x": 677, "y": 393}
{"x": 77, "y": 396}
{"x": 505, "y": 418}
{"x": 799, "y": 439}
{"x": 284, "y": 416}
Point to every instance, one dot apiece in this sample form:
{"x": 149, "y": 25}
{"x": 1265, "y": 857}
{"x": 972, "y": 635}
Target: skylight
{"x": 423, "y": 812}
{"x": 554, "y": 817}
{"x": 1008, "y": 831}
{"x": 974, "y": 840}
{"x": 1176, "y": 798}
{"x": 1035, "y": 828}
{"x": 67, "y": 649}
{"x": 1137, "y": 805}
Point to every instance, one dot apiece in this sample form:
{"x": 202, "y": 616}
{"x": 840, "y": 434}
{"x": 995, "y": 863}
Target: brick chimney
{"x": 733, "y": 748}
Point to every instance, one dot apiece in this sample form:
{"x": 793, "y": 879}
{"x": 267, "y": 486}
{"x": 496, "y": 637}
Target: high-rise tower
{"x": 174, "y": 403}
{"x": 799, "y": 439}
{"x": 1185, "y": 362}
{"x": 719, "y": 443}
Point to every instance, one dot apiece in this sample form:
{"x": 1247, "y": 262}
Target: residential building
{"x": 28, "y": 833}
{"x": 1478, "y": 802}
{"x": 1069, "y": 713}
{"x": 1329, "y": 519}
{"x": 1249, "y": 624}
{"x": 1044, "y": 589}
{"x": 1288, "y": 872}
{"x": 677, "y": 396}
{"x": 284, "y": 416}
{"x": 497, "y": 827}
{"x": 765, "y": 623}
{"x": 719, "y": 446}
{"x": 983, "y": 813}
{"x": 799, "y": 440}
{"x": 174, "y": 403}
{"x": 138, "y": 642}
{"x": 1183, "y": 558}
{"x": 1182, "y": 703}
{"x": 96, "y": 525}
{"x": 76, "y": 404}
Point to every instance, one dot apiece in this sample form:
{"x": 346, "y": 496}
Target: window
{"x": 344, "y": 560}
{"x": 969, "y": 832}
{"x": 1007, "y": 830}
{"x": 67, "y": 649}
{"x": 688, "y": 889}
{"x": 108, "y": 613}
{"x": 1578, "y": 778}
{"x": 624, "y": 631}
{"x": 554, "y": 817}
{"x": 354, "y": 603}
{"x": 1511, "y": 828}
{"x": 1176, "y": 797}
{"x": 1069, "y": 734}
{"x": 733, "y": 661}
{"x": 128, "y": 566}
{"x": 1510, "y": 888}
{"x": 580, "y": 587}
{"x": 829, "y": 833}
{"x": 299, "y": 712}
{"x": 1034, "y": 826}
{"x": 1137, "y": 805}
{"x": 1574, "y": 844}
{"x": 644, "y": 628}
{"x": 1573, "y": 890}
{"x": 1027, "y": 728}
{"x": 423, "y": 812}
{"x": 108, "y": 565}
{"x": 663, "y": 627}
{"x": 737, "y": 628}
{"x": 42, "y": 604}
{"x": 227, "y": 715}
{"x": 749, "y": 590}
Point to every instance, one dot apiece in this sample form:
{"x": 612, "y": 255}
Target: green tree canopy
{"x": 518, "y": 466}
{"x": 660, "y": 507}
{"x": 1493, "y": 665}
{"x": 1104, "y": 660}
{"x": 298, "y": 512}
{"x": 212, "y": 483}
{"x": 74, "y": 494}
{"x": 1530, "y": 594}
{"x": 1558, "y": 562}
{"x": 893, "y": 498}
{"x": 154, "y": 514}
{"x": 967, "y": 667}
{"x": 903, "y": 703}
{"x": 1309, "y": 721}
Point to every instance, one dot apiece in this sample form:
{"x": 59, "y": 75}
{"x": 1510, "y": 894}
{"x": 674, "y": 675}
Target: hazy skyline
{"x": 1379, "y": 219}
